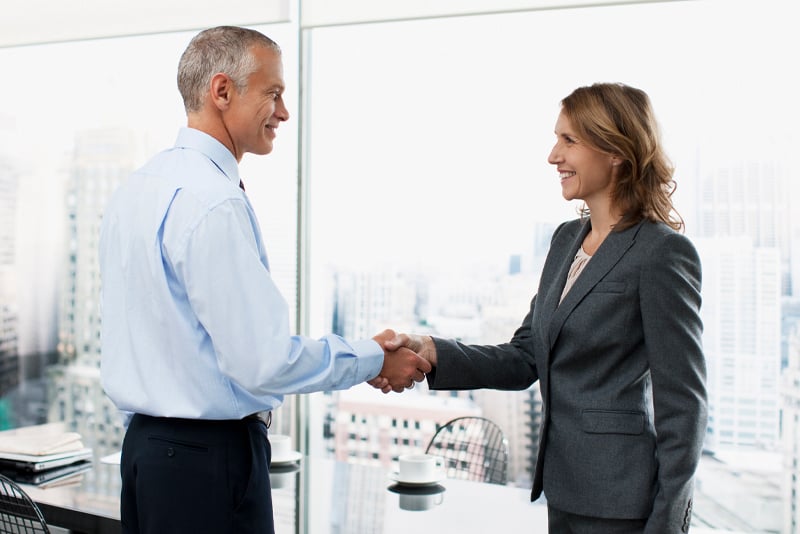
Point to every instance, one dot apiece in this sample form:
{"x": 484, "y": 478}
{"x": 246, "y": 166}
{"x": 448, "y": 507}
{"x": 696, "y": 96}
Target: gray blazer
{"x": 621, "y": 370}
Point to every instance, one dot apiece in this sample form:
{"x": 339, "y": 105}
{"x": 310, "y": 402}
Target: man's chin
{"x": 263, "y": 150}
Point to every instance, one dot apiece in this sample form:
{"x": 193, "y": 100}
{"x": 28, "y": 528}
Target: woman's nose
{"x": 553, "y": 158}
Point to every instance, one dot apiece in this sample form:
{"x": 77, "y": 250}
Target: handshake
{"x": 406, "y": 360}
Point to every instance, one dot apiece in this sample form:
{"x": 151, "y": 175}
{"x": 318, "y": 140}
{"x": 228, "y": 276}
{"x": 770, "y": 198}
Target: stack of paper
{"x": 43, "y": 453}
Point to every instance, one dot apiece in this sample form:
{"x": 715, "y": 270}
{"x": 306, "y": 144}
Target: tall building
{"x": 748, "y": 199}
{"x": 744, "y": 220}
{"x": 750, "y": 334}
{"x": 790, "y": 396}
{"x": 9, "y": 355}
{"x": 542, "y": 235}
{"x": 101, "y": 160}
{"x": 367, "y": 302}
{"x": 8, "y": 212}
{"x": 534, "y": 413}
{"x": 741, "y": 340}
{"x": 519, "y": 418}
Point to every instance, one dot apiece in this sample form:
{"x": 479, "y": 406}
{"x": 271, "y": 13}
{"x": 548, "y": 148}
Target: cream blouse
{"x": 580, "y": 261}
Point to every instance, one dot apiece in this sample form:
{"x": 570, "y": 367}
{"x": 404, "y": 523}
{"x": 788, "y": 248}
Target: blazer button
{"x": 170, "y": 452}
{"x": 687, "y": 517}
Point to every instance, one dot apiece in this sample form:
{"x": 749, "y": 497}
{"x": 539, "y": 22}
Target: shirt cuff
{"x": 369, "y": 358}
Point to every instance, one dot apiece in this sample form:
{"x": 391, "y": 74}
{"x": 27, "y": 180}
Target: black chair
{"x": 18, "y": 513}
{"x": 473, "y": 448}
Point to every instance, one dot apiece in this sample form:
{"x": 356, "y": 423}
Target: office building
{"x": 9, "y": 318}
{"x": 741, "y": 340}
{"x": 747, "y": 198}
{"x": 367, "y": 302}
{"x": 790, "y": 397}
{"x": 101, "y": 160}
{"x": 372, "y": 428}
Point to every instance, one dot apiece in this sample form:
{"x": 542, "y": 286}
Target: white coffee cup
{"x": 417, "y": 503}
{"x": 419, "y": 468}
{"x": 281, "y": 446}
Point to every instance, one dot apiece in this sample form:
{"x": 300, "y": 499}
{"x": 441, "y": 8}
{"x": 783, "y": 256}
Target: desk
{"x": 322, "y": 496}
{"x": 88, "y": 506}
{"x": 345, "y": 497}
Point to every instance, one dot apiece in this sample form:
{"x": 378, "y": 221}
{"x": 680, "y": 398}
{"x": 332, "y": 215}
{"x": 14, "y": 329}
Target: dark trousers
{"x": 196, "y": 477}
{"x": 561, "y": 522}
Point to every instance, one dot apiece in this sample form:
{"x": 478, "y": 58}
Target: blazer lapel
{"x": 605, "y": 258}
{"x": 554, "y": 278}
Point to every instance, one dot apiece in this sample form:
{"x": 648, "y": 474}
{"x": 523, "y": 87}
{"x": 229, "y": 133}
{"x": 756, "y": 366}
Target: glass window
{"x": 432, "y": 202}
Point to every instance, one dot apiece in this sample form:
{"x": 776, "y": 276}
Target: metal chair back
{"x": 18, "y": 513}
{"x": 473, "y": 448}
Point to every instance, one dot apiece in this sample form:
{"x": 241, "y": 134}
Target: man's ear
{"x": 222, "y": 88}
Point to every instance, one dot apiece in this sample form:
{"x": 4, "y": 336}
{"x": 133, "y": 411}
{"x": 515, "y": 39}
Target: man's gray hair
{"x": 225, "y": 49}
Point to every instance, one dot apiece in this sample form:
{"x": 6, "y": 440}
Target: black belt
{"x": 264, "y": 417}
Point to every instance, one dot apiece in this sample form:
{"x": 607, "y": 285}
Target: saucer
{"x": 431, "y": 489}
{"x": 288, "y": 458}
{"x": 283, "y": 468}
{"x": 437, "y": 477}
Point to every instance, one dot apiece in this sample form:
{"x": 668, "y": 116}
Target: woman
{"x": 613, "y": 334}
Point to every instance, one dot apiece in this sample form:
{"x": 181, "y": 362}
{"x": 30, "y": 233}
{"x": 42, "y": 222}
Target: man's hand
{"x": 402, "y": 367}
{"x": 422, "y": 345}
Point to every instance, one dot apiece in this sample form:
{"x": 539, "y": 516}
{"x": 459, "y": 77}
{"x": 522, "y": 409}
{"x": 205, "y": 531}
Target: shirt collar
{"x": 211, "y": 148}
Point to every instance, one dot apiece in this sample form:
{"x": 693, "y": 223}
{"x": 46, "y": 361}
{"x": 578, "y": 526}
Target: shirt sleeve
{"x": 246, "y": 319}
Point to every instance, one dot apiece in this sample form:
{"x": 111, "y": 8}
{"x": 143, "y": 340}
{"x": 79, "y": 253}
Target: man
{"x": 196, "y": 335}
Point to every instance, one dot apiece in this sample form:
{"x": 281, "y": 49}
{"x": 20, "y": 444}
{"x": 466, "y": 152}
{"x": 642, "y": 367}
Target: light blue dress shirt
{"x": 193, "y": 324}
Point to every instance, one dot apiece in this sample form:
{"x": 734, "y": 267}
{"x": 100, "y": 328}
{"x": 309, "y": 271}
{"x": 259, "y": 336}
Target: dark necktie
{"x": 241, "y": 185}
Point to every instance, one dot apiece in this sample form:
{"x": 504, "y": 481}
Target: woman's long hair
{"x": 617, "y": 119}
